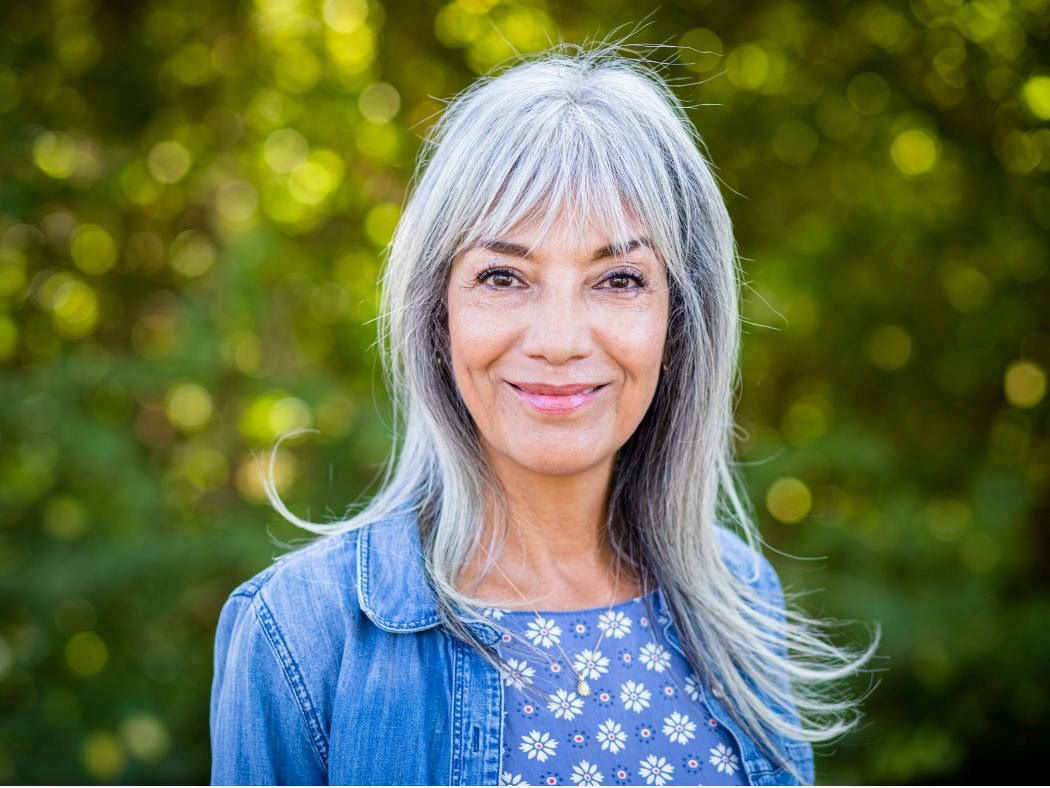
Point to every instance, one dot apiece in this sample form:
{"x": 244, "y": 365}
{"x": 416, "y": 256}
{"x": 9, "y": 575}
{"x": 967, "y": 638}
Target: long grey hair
{"x": 587, "y": 134}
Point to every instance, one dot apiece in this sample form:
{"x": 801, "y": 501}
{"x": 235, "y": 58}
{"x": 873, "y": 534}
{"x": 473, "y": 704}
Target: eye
{"x": 624, "y": 279}
{"x": 500, "y": 278}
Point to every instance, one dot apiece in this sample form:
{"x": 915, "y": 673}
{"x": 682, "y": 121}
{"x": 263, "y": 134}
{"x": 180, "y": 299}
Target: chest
{"x": 420, "y": 709}
{"x": 596, "y": 697}
{"x": 426, "y": 709}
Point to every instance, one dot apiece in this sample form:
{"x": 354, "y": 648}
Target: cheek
{"x": 477, "y": 338}
{"x": 637, "y": 346}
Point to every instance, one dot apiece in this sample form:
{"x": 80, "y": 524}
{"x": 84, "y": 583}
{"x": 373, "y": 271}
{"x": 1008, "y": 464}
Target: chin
{"x": 557, "y": 459}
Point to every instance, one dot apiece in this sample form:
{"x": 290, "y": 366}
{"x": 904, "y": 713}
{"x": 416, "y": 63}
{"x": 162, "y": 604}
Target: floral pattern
{"x": 724, "y": 759}
{"x": 543, "y": 632}
{"x": 643, "y": 720}
{"x": 655, "y": 770}
{"x": 615, "y": 623}
{"x": 520, "y": 673}
{"x": 635, "y": 696}
{"x": 565, "y": 705}
{"x": 679, "y": 728}
{"x": 538, "y": 745}
{"x": 585, "y": 773}
{"x": 612, "y": 736}
{"x": 590, "y": 664}
{"x": 655, "y": 657}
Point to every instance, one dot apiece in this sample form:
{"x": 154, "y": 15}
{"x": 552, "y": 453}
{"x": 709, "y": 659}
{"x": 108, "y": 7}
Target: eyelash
{"x": 620, "y": 273}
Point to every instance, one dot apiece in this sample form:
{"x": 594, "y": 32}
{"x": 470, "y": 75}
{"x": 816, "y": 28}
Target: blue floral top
{"x": 638, "y": 718}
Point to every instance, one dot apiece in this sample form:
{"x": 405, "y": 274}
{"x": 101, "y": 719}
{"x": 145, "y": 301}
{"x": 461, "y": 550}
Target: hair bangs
{"x": 573, "y": 173}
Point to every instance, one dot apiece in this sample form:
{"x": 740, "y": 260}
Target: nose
{"x": 559, "y": 325}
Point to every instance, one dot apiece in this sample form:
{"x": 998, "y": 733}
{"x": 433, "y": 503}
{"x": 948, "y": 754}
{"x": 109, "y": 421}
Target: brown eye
{"x": 498, "y": 277}
{"x": 624, "y": 280}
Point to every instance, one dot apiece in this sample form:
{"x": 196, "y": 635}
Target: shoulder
{"x": 327, "y": 562}
{"x": 300, "y": 608}
{"x": 749, "y": 565}
{"x": 278, "y": 642}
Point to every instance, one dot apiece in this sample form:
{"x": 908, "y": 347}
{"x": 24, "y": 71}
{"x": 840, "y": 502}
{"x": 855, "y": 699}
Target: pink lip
{"x": 556, "y": 400}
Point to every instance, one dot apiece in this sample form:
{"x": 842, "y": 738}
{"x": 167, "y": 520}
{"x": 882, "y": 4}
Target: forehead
{"x": 592, "y": 238}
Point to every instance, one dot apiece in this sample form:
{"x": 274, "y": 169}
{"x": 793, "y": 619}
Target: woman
{"x": 541, "y": 591}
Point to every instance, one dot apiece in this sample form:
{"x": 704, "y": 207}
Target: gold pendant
{"x": 583, "y": 688}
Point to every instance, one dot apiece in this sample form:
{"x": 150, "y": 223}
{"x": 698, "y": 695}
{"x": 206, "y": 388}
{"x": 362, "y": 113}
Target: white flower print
{"x": 591, "y": 664}
{"x": 692, "y": 687}
{"x": 520, "y": 673}
{"x": 614, "y": 623}
{"x": 656, "y": 771}
{"x": 612, "y": 736}
{"x": 565, "y": 704}
{"x": 506, "y": 778}
{"x": 679, "y": 728}
{"x": 540, "y": 746}
{"x": 724, "y": 758}
{"x": 655, "y": 657}
{"x": 585, "y": 773}
{"x": 543, "y": 632}
{"x": 492, "y": 612}
{"x": 634, "y": 696}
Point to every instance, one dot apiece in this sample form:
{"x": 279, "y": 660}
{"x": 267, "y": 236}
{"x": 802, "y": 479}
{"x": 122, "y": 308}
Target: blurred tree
{"x": 194, "y": 201}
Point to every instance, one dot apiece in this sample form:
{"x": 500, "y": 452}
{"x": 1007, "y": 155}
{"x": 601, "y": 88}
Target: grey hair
{"x": 580, "y": 134}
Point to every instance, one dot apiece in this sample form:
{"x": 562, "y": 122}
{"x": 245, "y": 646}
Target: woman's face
{"x": 531, "y": 335}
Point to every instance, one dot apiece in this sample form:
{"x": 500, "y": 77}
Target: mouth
{"x": 557, "y": 400}
{"x": 557, "y": 391}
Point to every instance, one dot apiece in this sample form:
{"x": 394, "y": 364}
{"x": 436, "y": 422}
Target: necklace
{"x": 582, "y": 687}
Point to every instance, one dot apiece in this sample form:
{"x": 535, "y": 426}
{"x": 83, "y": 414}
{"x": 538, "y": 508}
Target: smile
{"x": 556, "y": 400}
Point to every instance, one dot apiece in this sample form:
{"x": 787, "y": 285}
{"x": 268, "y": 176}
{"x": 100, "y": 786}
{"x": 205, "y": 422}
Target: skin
{"x": 561, "y": 316}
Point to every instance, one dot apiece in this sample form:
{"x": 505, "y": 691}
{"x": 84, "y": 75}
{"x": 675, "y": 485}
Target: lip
{"x": 556, "y": 400}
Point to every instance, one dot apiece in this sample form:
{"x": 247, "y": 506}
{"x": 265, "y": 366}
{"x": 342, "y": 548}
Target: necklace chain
{"x": 582, "y": 687}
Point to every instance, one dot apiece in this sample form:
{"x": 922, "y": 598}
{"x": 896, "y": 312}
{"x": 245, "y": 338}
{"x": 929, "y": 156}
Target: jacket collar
{"x": 392, "y": 585}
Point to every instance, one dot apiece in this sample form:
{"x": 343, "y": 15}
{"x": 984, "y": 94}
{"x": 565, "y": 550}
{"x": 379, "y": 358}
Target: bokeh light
{"x": 789, "y": 500}
{"x": 196, "y": 205}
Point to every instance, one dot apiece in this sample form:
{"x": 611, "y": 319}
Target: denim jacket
{"x": 330, "y": 668}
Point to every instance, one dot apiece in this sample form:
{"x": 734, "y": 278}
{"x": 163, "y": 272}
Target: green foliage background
{"x": 194, "y": 199}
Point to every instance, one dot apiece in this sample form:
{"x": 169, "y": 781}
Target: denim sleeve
{"x": 259, "y": 733}
{"x": 800, "y": 752}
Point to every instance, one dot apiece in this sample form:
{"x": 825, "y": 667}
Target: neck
{"x": 556, "y": 550}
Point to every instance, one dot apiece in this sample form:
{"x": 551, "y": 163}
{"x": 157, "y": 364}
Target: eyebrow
{"x": 610, "y": 250}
